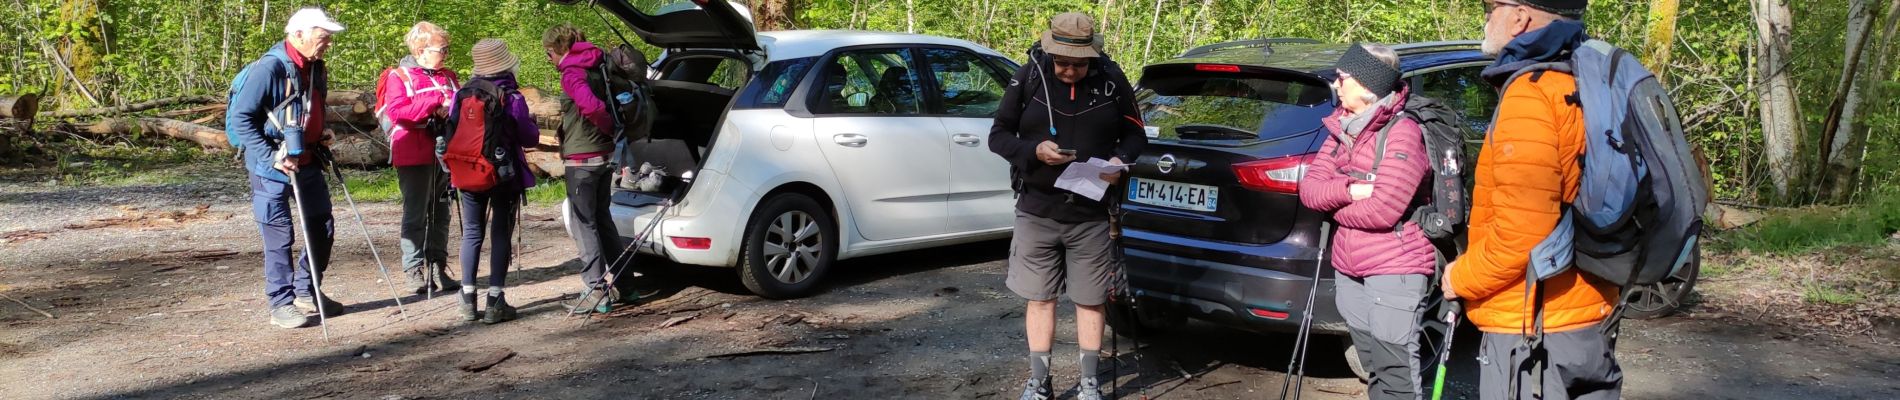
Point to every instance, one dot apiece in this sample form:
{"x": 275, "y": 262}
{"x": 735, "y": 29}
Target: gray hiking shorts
{"x": 1581, "y": 365}
{"x": 1037, "y": 255}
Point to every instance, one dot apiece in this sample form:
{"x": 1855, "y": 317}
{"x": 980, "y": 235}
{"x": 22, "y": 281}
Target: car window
{"x": 1462, "y": 89}
{"x": 968, "y": 86}
{"x": 722, "y": 71}
{"x": 775, "y": 83}
{"x": 875, "y": 81}
{"x": 1219, "y": 106}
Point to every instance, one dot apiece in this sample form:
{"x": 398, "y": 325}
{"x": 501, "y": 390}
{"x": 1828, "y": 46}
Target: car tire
{"x": 1664, "y": 298}
{"x": 790, "y": 242}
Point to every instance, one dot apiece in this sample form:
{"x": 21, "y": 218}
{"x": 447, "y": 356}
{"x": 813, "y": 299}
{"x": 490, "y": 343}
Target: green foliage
{"x": 1819, "y": 228}
{"x": 378, "y": 185}
{"x": 125, "y": 164}
{"x": 548, "y": 192}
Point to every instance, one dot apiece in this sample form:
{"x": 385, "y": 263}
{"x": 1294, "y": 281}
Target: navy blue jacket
{"x": 270, "y": 85}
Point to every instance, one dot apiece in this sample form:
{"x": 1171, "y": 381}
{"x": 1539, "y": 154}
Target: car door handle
{"x": 850, "y": 140}
{"x": 967, "y": 139}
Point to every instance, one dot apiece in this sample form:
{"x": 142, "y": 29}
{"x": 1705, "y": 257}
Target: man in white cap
{"x": 275, "y": 113}
{"x": 1068, "y": 103}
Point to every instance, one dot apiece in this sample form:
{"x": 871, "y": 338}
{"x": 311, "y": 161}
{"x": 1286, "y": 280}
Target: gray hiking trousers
{"x": 1580, "y": 365}
{"x": 1383, "y": 313}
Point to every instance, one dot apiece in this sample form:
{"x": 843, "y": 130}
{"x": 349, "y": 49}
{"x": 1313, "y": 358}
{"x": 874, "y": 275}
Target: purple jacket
{"x": 1365, "y": 243}
{"x": 526, "y": 132}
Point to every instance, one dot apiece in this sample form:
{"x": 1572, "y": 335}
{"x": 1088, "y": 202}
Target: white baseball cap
{"x": 311, "y": 17}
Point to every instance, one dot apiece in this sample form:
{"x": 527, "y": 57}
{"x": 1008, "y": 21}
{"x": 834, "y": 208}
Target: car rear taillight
{"x": 1268, "y": 314}
{"x": 1277, "y": 175}
{"x": 692, "y": 243}
{"x": 1216, "y": 68}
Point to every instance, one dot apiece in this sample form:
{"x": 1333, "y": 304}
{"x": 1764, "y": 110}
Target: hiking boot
{"x": 498, "y": 311}
{"x": 287, "y": 316}
{"x": 331, "y": 308}
{"x": 1037, "y": 389}
{"x": 1088, "y": 389}
{"x": 442, "y": 280}
{"x": 417, "y": 284}
{"x": 468, "y": 307}
{"x": 591, "y": 303}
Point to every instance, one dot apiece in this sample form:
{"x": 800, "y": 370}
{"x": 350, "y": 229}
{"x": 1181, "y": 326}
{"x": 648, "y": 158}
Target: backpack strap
{"x": 1379, "y": 143}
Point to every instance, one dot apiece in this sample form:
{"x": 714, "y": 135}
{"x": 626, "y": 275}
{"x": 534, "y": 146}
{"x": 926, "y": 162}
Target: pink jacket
{"x": 409, "y": 95}
{"x": 580, "y": 58}
{"x": 1365, "y": 243}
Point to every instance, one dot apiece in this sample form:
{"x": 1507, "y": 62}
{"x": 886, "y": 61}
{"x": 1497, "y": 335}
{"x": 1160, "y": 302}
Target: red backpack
{"x": 481, "y": 139}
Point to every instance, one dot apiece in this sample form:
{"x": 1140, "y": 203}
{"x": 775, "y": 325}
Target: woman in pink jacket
{"x": 1384, "y": 261}
{"x": 413, "y": 99}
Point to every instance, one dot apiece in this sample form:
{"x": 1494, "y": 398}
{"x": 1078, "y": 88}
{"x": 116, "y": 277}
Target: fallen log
{"x": 134, "y": 107}
{"x": 353, "y": 149}
{"x": 352, "y": 107}
{"x": 19, "y": 107}
{"x": 547, "y": 164}
{"x": 206, "y": 137}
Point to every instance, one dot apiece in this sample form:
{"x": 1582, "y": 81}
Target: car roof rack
{"x": 1242, "y": 44}
{"x": 1423, "y": 47}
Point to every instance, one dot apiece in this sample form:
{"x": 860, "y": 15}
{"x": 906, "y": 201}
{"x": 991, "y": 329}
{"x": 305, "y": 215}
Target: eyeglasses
{"x": 437, "y": 49}
{"x": 1492, "y": 5}
{"x": 1340, "y": 77}
{"x": 1071, "y": 64}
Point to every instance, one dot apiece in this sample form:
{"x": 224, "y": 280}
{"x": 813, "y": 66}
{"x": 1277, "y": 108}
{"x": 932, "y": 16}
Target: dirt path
{"x": 155, "y": 297}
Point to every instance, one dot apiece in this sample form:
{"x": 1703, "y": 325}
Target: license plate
{"x": 1185, "y": 196}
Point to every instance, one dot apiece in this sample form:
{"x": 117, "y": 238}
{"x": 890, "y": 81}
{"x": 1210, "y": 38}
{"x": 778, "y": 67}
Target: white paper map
{"x": 1085, "y": 178}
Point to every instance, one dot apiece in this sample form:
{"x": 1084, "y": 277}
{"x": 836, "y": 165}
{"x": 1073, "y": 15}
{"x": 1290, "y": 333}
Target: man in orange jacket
{"x": 1526, "y": 173}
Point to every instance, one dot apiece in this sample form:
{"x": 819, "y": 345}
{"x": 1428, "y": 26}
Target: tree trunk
{"x": 1781, "y": 113}
{"x": 1847, "y": 149}
{"x": 19, "y": 107}
{"x": 910, "y": 16}
{"x": 206, "y": 137}
{"x": 1107, "y": 20}
{"x": 1859, "y": 17}
{"x": 1147, "y": 50}
{"x": 1200, "y": 22}
{"x": 1662, "y": 36}
{"x": 134, "y": 107}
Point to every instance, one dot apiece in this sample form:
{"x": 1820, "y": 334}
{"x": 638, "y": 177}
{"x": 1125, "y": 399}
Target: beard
{"x": 1493, "y": 45}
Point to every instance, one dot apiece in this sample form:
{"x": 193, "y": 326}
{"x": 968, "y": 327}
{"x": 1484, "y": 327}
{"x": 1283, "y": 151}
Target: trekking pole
{"x": 329, "y": 158}
{"x": 310, "y": 258}
{"x": 1296, "y": 362}
{"x": 631, "y": 251}
{"x": 1452, "y": 308}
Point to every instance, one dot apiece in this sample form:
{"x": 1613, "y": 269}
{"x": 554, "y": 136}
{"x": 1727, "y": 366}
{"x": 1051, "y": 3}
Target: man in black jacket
{"x": 1094, "y": 116}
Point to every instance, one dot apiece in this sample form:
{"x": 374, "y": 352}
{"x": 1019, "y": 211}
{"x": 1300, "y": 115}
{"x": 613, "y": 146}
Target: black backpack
{"x": 1441, "y": 204}
{"x": 619, "y": 79}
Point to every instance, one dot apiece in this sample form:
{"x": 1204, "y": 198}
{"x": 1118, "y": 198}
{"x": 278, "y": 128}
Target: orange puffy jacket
{"x": 1526, "y": 172}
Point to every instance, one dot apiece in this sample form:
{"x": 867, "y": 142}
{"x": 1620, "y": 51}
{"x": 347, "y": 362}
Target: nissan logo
{"x": 1166, "y": 164}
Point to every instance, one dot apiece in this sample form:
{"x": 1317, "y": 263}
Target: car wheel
{"x": 789, "y": 244}
{"x": 1663, "y": 298}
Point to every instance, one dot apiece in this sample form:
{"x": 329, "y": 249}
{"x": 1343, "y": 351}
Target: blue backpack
{"x": 237, "y": 84}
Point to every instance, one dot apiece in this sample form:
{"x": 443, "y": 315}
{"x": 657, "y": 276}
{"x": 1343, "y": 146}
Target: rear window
{"x": 774, "y": 84}
{"x": 1231, "y": 107}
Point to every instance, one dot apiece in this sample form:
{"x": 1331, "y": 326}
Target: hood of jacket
{"x": 1552, "y": 43}
{"x": 582, "y": 55}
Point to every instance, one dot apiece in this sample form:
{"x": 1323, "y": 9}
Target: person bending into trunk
{"x": 276, "y": 113}
{"x": 413, "y": 100}
{"x": 1068, "y": 104}
{"x": 587, "y": 133}
{"x": 1384, "y": 261}
{"x": 495, "y": 209}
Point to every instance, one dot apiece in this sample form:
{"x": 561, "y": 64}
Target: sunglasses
{"x": 1071, "y": 64}
{"x": 1490, "y": 6}
{"x": 434, "y": 50}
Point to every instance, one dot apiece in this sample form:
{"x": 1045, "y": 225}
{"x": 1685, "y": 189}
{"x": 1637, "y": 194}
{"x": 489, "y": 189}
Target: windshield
{"x": 1231, "y": 107}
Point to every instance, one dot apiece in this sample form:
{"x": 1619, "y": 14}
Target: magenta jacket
{"x": 581, "y": 57}
{"x": 408, "y": 96}
{"x": 1366, "y": 244}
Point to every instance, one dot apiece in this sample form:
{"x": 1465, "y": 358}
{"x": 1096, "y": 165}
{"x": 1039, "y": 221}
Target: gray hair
{"x": 1385, "y": 55}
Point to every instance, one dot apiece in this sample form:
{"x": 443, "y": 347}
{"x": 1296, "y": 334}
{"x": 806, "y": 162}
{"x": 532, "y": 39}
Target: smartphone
{"x": 1066, "y": 152}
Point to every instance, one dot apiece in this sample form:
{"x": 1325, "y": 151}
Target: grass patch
{"x": 1819, "y": 228}
{"x": 548, "y": 192}
{"x": 376, "y": 185}
{"x": 1816, "y": 293}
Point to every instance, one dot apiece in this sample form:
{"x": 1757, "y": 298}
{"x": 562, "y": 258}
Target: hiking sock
{"x": 494, "y": 291}
{"x": 1038, "y": 365}
{"x": 468, "y": 289}
{"x": 1089, "y": 359}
